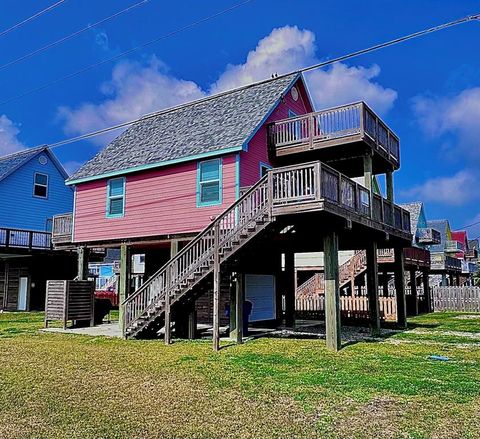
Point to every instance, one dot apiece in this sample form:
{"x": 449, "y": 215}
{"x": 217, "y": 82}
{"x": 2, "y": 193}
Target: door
{"x": 22, "y": 293}
{"x": 260, "y": 290}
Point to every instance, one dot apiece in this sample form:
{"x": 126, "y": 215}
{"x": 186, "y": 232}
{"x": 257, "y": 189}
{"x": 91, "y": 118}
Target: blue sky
{"x": 427, "y": 90}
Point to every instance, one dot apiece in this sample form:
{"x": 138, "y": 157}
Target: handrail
{"x": 199, "y": 251}
{"x": 280, "y": 188}
{"x": 336, "y": 122}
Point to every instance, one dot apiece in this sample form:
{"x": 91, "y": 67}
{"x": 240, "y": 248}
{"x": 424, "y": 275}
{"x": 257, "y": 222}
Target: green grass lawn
{"x": 58, "y": 386}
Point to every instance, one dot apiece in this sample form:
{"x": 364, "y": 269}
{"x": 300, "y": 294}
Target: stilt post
{"x": 426, "y": 290}
{"x": 332, "y": 292}
{"x": 372, "y": 288}
{"x": 82, "y": 263}
{"x": 216, "y": 288}
{"x": 236, "y": 309}
{"x": 400, "y": 288}
{"x": 289, "y": 283}
{"x": 123, "y": 282}
{"x": 413, "y": 289}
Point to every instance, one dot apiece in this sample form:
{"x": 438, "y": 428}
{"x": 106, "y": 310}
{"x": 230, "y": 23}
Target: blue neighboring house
{"x": 32, "y": 191}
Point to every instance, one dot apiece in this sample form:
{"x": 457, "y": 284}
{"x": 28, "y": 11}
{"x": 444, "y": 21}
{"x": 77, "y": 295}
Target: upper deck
{"x": 340, "y": 135}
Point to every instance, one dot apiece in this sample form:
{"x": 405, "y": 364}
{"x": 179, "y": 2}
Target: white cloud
{"x": 8, "y": 136}
{"x": 285, "y": 49}
{"x": 289, "y": 48}
{"x": 456, "y": 190}
{"x": 456, "y": 115}
{"x": 132, "y": 91}
{"x": 136, "y": 89}
{"x": 341, "y": 84}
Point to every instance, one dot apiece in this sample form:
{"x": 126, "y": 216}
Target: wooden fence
{"x": 456, "y": 299}
{"x": 351, "y": 307}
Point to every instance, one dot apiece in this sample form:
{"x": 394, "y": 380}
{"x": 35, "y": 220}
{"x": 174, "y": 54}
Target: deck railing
{"x": 412, "y": 255}
{"x": 427, "y": 235}
{"x": 442, "y": 262}
{"x": 62, "y": 228}
{"x": 334, "y": 123}
{"x": 27, "y": 239}
{"x": 453, "y": 247}
{"x": 315, "y": 181}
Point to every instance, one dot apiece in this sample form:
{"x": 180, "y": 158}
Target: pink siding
{"x": 257, "y": 148}
{"x": 158, "y": 202}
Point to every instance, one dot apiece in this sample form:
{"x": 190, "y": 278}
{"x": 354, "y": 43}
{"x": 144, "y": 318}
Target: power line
{"x": 305, "y": 69}
{"x": 72, "y": 35}
{"x": 127, "y": 52}
{"x": 466, "y": 19}
{"x": 36, "y": 15}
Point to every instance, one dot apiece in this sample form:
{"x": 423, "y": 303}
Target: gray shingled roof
{"x": 208, "y": 125}
{"x": 10, "y": 162}
{"x": 415, "y": 209}
{"x": 442, "y": 226}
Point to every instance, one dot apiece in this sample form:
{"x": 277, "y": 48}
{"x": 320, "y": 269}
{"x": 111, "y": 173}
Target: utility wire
{"x": 31, "y": 18}
{"x": 72, "y": 35}
{"x": 305, "y": 69}
{"x": 127, "y": 52}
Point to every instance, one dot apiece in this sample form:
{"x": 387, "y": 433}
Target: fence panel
{"x": 456, "y": 299}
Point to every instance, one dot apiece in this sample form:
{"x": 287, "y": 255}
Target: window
{"x": 264, "y": 168}
{"x": 115, "y": 197}
{"x": 292, "y": 113}
{"x": 209, "y": 183}
{"x": 40, "y": 185}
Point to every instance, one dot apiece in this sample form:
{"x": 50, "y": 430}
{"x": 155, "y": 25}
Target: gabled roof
{"x": 11, "y": 162}
{"x": 210, "y": 126}
{"x": 443, "y": 226}
{"x": 415, "y": 210}
{"x": 460, "y": 236}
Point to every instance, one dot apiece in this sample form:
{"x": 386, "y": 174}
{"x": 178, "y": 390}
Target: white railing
{"x": 334, "y": 123}
{"x": 196, "y": 259}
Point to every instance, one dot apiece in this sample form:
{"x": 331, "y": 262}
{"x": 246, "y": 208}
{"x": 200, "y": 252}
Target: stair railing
{"x": 199, "y": 253}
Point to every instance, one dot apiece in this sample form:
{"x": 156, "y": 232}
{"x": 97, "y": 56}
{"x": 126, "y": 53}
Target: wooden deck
{"x": 335, "y": 127}
{"x": 313, "y": 187}
{"x": 16, "y": 239}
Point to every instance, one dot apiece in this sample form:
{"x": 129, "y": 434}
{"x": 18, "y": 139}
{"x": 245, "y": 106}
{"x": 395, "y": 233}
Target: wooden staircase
{"x": 190, "y": 273}
{"x": 349, "y": 270}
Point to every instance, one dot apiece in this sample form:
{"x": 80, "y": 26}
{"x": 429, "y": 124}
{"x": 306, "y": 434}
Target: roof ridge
{"x": 214, "y": 96}
{"x": 23, "y": 151}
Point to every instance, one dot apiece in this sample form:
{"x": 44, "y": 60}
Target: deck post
{"x": 236, "y": 309}
{"x": 372, "y": 288}
{"x": 389, "y": 185}
{"x": 82, "y": 263}
{"x": 400, "y": 288}
{"x": 367, "y": 171}
{"x": 426, "y": 290}
{"x": 413, "y": 289}
{"x": 124, "y": 280}
{"x": 385, "y": 283}
{"x": 289, "y": 288}
{"x": 332, "y": 292}
{"x": 216, "y": 289}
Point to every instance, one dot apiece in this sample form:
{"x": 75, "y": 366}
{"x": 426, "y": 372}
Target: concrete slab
{"x": 105, "y": 330}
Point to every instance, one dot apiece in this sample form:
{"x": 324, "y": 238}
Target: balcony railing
{"x": 315, "y": 181}
{"x": 62, "y": 228}
{"x": 471, "y": 254}
{"x": 428, "y": 236}
{"x": 412, "y": 256}
{"x": 25, "y": 239}
{"x": 442, "y": 262}
{"x": 453, "y": 247}
{"x": 347, "y": 121}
